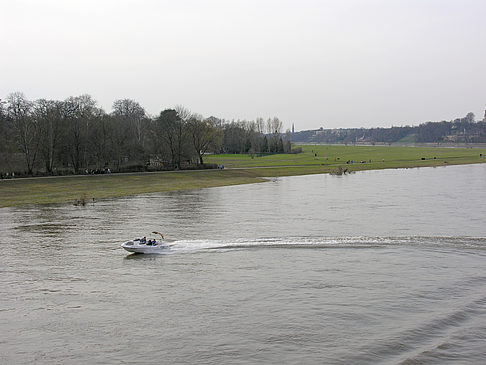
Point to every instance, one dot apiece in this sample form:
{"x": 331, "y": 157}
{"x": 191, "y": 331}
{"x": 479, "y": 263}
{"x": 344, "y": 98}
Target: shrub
{"x": 296, "y": 150}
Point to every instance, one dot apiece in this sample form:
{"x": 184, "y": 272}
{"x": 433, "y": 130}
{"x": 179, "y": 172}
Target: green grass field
{"x": 338, "y": 154}
{"x": 239, "y": 169}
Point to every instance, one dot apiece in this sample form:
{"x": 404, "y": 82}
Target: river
{"x": 374, "y": 267}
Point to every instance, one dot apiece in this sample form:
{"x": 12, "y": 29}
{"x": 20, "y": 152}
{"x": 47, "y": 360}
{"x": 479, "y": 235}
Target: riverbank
{"x": 239, "y": 169}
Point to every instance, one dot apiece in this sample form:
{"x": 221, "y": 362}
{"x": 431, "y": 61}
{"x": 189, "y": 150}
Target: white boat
{"x": 139, "y": 247}
{"x": 142, "y": 245}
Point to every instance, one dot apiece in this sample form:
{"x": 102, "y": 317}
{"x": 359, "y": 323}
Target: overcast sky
{"x": 329, "y": 63}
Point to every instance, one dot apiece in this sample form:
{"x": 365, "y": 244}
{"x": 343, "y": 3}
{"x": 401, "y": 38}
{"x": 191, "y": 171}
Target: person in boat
{"x": 149, "y": 243}
{"x": 143, "y": 240}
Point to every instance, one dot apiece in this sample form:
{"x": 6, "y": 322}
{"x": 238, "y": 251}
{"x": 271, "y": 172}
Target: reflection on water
{"x": 378, "y": 266}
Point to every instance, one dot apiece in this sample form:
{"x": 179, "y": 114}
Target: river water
{"x": 373, "y": 267}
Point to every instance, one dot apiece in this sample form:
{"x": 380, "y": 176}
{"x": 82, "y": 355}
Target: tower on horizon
{"x": 293, "y": 128}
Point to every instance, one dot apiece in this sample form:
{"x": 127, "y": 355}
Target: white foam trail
{"x": 195, "y": 245}
{"x": 318, "y": 242}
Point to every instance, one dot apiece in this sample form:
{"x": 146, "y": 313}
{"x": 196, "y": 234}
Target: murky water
{"x": 374, "y": 267}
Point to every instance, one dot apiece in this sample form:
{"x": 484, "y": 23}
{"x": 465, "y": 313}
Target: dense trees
{"x": 250, "y": 137}
{"x": 76, "y": 136}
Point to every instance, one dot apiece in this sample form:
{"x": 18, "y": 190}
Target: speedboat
{"x": 141, "y": 245}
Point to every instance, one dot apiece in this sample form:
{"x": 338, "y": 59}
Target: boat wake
{"x": 328, "y": 243}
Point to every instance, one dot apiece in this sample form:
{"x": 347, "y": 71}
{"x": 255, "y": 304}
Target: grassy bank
{"x": 313, "y": 160}
{"x": 73, "y": 188}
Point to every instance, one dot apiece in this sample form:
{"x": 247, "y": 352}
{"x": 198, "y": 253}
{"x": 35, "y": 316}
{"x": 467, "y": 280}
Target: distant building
{"x": 484, "y": 119}
{"x": 293, "y": 128}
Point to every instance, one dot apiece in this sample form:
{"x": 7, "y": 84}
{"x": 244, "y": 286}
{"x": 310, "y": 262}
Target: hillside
{"x": 461, "y": 130}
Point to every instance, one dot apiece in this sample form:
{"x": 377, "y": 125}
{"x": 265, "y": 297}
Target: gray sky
{"x": 329, "y": 63}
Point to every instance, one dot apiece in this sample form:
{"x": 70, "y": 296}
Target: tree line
{"x": 459, "y": 130}
{"x": 75, "y": 135}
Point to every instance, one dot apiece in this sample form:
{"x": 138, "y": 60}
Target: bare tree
{"x": 255, "y": 137}
{"x": 260, "y": 125}
{"x": 183, "y": 113}
{"x": 274, "y": 129}
{"x": 79, "y": 112}
{"x": 48, "y": 114}
{"x": 102, "y": 142}
{"x": 5, "y": 137}
{"x": 204, "y": 136}
{"x": 3, "y": 126}
{"x": 167, "y": 126}
{"x": 26, "y": 128}
{"x": 135, "y": 116}
{"x": 181, "y": 133}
